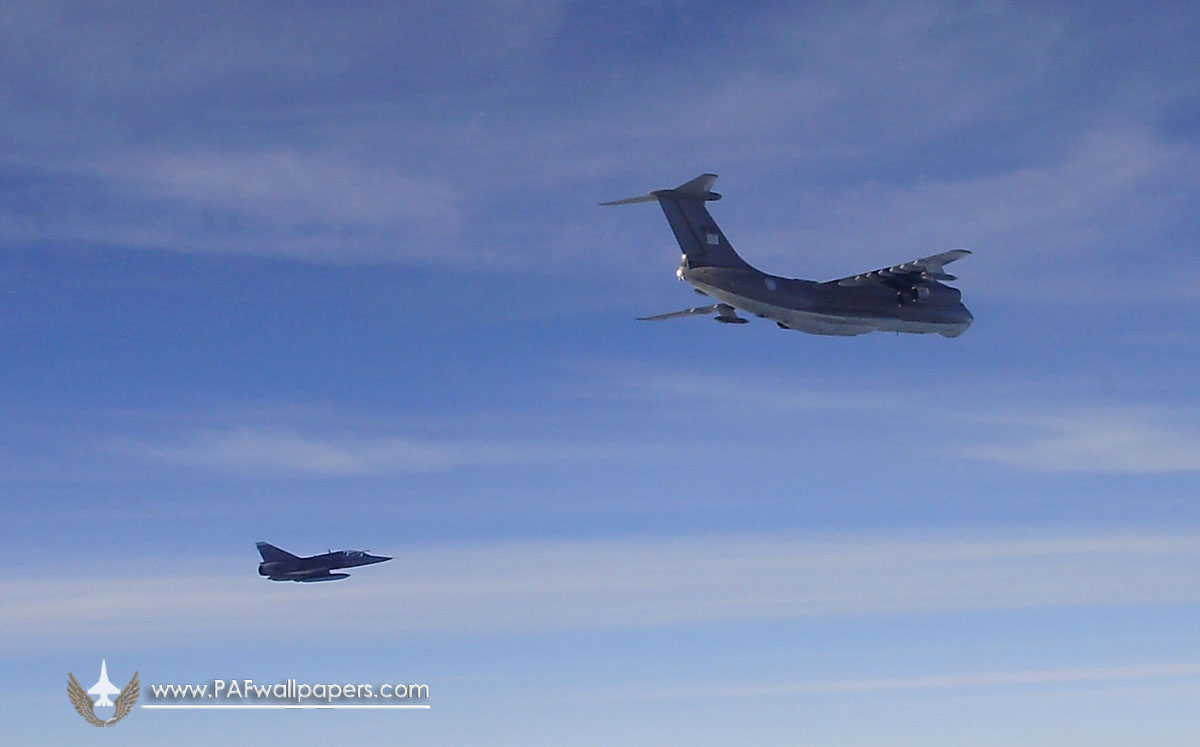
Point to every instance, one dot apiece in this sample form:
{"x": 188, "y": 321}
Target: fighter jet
{"x": 281, "y": 565}
{"x": 103, "y": 687}
{"x": 908, "y": 297}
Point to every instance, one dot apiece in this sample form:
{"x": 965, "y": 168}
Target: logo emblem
{"x": 86, "y": 707}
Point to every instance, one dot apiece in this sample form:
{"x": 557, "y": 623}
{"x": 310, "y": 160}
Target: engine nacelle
{"x": 915, "y": 294}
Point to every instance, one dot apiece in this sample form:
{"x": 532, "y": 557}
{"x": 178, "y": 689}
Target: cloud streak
{"x": 1038, "y": 227}
{"x": 1104, "y": 441}
{"x": 978, "y": 420}
{"x": 632, "y": 582}
{"x": 291, "y": 188}
{"x": 958, "y": 681}
{"x": 359, "y": 157}
{"x": 283, "y": 451}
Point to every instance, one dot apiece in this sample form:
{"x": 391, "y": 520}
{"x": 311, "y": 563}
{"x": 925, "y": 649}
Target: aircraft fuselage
{"x": 830, "y": 309}
{"x": 279, "y": 565}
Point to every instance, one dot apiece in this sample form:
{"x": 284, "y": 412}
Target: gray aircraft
{"x": 908, "y": 297}
{"x": 281, "y": 565}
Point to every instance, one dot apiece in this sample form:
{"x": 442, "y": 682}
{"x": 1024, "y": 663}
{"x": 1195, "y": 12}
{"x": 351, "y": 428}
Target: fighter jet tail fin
{"x": 270, "y": 553}
{"x": 702, "y": 241}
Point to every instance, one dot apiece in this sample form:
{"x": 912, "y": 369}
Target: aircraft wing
{"x": 917, "y": 272}
{"x": 698, "y": 310}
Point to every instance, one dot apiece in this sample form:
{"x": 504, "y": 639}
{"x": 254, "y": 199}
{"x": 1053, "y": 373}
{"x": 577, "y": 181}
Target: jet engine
{"x": 912, "y": 295}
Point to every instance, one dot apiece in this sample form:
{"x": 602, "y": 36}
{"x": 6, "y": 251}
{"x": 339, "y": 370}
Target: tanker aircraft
{"x": 908, "y": 297}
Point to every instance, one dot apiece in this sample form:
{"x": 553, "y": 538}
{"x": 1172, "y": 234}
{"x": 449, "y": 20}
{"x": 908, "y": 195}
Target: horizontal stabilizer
{"x": 697, "y": 311}
{"x": 631, "y": 200}
{"x": 699, "y": 188}
{"x": 725, "y": 313}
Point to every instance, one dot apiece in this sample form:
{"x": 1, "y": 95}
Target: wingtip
{"x": 630, "y": 200}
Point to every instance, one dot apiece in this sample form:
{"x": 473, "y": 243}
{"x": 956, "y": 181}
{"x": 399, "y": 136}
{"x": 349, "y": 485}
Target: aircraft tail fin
{"x": 270, "y": 553}
{"x": 702, "y": 241}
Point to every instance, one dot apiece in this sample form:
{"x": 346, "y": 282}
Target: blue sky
{"x": 335, "y": 276}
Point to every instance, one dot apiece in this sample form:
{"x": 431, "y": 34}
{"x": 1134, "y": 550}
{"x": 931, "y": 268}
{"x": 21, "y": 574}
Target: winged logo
{"x": 86, "y": 708}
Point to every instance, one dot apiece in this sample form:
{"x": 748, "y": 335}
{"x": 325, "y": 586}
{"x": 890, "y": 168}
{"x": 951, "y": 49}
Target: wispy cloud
{"x": 1041, "y": 227}
{"x": 958, "y": 681}
{"x": 755, "y": 391}
{"x": 291, "y": 188}
{"x": 286, "y": 451}
{"x": 368, "y": 149}
{"x": 279, "y": 203}
{"x": 990, "y": 421}
{"x": 241, "y": 130}
{"x": 842, "y": 80}
{"x": 617, "y": 583}
{"x": 1108, "y": 440}
{"x": 1018, "y": 427}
